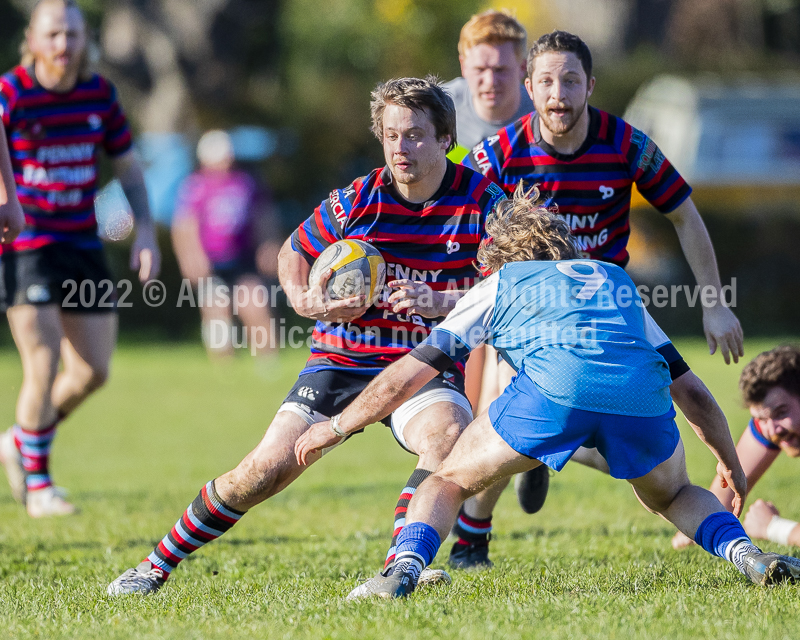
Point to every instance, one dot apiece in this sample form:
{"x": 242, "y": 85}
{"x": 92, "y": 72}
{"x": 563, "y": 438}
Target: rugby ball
{"x": 358, "y": 269}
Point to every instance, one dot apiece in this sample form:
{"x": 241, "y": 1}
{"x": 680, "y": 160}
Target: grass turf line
{"x": 593, "y": 563}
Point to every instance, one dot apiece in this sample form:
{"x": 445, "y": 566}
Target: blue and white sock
{"x": 722, "y": 535}
{"x": 417, "y": 546}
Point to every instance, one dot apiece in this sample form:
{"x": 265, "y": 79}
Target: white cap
{"x": 214, "y": 147}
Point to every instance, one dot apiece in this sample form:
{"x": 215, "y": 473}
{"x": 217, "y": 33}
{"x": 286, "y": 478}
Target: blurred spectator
{"x": 226, "y": 237}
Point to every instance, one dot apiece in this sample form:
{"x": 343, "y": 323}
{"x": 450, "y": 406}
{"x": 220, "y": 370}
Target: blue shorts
{"x": 539, "y": 428}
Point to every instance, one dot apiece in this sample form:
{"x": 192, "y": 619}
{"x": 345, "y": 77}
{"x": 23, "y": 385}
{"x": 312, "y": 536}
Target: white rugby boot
{"x": 47, "y": 502}
{"x": 428, "y": 578}
{"x": 144, "y": 579}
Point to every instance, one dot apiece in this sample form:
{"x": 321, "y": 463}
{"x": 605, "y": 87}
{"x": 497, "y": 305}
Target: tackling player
{"x": 585, "y": 162}
{"x": 426, "y": 215}
{"x": 588, "y": 374}
{"x": 54, "y": 283}
{"x": 770, "y": 386}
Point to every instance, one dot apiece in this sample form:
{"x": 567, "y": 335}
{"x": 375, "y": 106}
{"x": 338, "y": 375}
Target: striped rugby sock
{"x": 34, "y": 447}
{"x": 472, "y": 530}
{"x": 206, "y": 519}
{"x": 400, "y": 513}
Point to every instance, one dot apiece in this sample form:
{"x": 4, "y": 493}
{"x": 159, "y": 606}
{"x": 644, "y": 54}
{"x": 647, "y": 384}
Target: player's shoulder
{"x": 457, "y": 88}
{"x": 611, "y": 129}
{"x": 475, "y": 187}
{"x": 15, "y": 82}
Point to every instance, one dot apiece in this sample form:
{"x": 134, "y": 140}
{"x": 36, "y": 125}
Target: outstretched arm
{"x": 11, "y": 217}
{"x": 707, "y": 420}
{"x": 721, "y": 327}
{"x": 145, "y": 255}
{"x": 396, "y": 384}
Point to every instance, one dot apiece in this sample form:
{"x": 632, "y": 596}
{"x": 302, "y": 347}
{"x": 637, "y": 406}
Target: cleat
{"x": 433, "y": 577}
{"x": 47, "y": 502}
{"x": 769, "y": 569}
{"x": 470, "y": 556}
{"x": 391, "y": 587}
{"x": 145, "y": 578}
{"x": 531, "y": 488}
{"x": 428, "y": 578}
{"x": 11, "y": 459}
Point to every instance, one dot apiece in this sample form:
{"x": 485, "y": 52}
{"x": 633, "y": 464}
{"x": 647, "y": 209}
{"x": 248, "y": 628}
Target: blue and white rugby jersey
{"x": 578, "y": 328}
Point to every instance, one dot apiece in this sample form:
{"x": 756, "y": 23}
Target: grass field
{"x": 592, "y": 564}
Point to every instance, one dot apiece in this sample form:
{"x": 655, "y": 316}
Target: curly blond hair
{"x": 520, "y": 229}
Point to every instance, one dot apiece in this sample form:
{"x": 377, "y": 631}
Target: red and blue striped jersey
{"x": 434, "y": 241}
{"x": 54, "y": 139}
{"x": 590, "y": 188}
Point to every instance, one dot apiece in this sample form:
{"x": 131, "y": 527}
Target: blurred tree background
{"x": 304, "y": 68}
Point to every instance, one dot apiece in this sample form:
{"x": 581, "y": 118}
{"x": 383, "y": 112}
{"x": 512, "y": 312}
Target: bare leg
{"x": 479, "y": 459}
{"x": 86, "y": 350}
{"x": 667, "y": 491}
{"x": 37, "y": 332}
{"x": 256, "y": 317}
{"x": 269, "y": 468}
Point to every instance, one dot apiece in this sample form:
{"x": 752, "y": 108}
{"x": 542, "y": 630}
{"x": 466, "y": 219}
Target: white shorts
{"x": 400, "y": 417}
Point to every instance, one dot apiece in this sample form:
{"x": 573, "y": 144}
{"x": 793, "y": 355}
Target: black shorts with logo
{"x": 330, "y": 391}
{"x": 78, "y": 280}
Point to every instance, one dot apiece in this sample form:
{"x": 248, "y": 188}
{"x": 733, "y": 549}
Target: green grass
{"x": 593, "y": 563}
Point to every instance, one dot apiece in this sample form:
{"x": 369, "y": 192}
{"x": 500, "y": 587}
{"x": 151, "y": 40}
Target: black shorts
{"x": 78, "y": 280}
{"x": 329, "y": 391}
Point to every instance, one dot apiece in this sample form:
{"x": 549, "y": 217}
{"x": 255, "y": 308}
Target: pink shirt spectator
{"x": 225, "y": 206}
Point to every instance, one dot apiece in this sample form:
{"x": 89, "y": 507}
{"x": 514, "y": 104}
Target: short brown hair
{"x": 561, "y": 41}
{"x": 493, "y": 27}
{"x": 419, "y": 94}
{"x": 777, "y": 368}
{"x": 520, "y": 229}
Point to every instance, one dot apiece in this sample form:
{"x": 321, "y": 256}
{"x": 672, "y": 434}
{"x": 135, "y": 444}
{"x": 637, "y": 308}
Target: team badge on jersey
{"x": 95, "y": 121}
{"x": 38, "y": 293}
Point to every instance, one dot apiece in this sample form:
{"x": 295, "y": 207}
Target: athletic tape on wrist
{"x": 779, "y": 529}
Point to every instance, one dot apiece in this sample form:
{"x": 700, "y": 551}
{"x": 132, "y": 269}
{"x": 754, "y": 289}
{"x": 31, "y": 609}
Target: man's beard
{"x": 558, "y": 126}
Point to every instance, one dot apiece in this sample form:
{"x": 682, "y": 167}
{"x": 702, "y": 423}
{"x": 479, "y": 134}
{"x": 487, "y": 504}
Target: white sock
{"x": 737, "y": 550}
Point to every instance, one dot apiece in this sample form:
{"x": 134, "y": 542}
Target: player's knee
{"x": 97, "y": 377}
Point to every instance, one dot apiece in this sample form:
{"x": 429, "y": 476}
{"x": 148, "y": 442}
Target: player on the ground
{"x": 770, "y": 386}
{"x": 589, "y": 374}
{"x": 427, "y": 216}
{"x": 492, "y": 50}
{"x": 11, "y": 217}
{"x": 225, "y": 228}
{"x": 55, "y": 286}
{"x": 585, "y": 162}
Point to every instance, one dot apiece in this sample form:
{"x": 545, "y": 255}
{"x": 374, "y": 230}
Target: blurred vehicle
{"x": 738, "y": 145}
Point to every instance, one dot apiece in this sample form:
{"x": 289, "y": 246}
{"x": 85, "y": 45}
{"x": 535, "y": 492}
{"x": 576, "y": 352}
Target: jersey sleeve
{"x": 655, "y": 177}
{"x": 486, "y": 157}
{"x": 656, "y": 337}
{"x": 468, "y": 325}
{"x": 117, "y": 138}
{"x": 8, "y": 97}
{"x": 326, "y": 225}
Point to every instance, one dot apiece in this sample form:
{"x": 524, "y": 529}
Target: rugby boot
{"x": 391, "y": 587}
{"x": 769, "y": 569}
{"x": 428, "y": 578}
{"x": 47, "y": 502}
{"x": 145, "y": 578}
{"x": 11, "y": 459}
{"x": 531, "y": 488}
{"x": 470, "y": 556}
